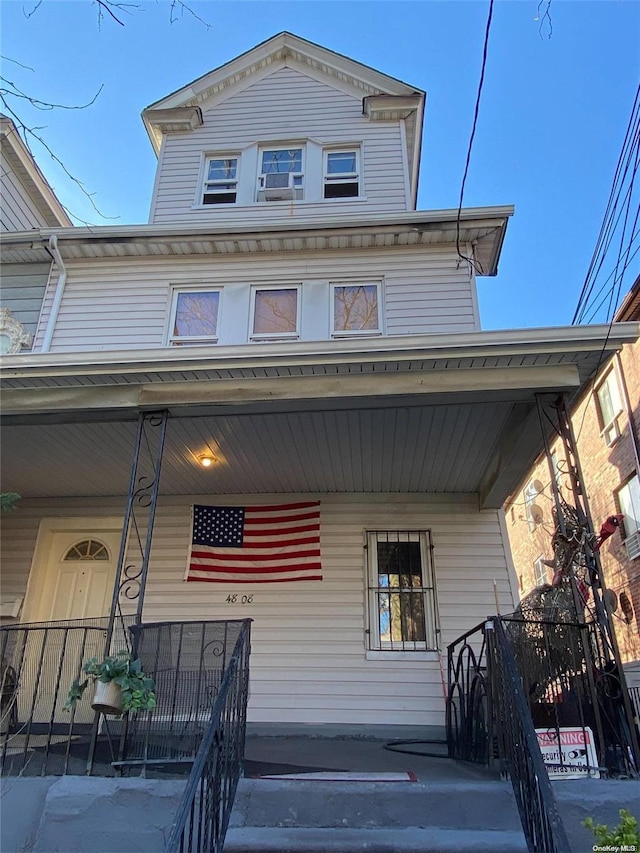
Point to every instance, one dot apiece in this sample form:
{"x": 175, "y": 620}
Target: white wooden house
{"x": 319, "y": 338}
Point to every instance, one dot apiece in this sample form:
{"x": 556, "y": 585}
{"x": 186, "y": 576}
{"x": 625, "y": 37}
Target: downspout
{"x": 57, "y": 297}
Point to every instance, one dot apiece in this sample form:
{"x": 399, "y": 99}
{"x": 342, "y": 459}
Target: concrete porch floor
{"x": 277, "y": 749}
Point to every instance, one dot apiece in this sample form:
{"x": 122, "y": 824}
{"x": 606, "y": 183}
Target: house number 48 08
{"x": 240, "y": 599}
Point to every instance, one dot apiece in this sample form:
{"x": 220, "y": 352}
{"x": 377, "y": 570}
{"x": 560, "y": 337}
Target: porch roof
{"x": 450, "y": 413}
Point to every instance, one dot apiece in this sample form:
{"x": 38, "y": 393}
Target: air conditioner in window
{"x": 278, "y": 186}
{"x": 633, "y": 545}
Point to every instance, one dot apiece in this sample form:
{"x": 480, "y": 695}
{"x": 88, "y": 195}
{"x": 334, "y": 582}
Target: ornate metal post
{"x": 135, "y": 544}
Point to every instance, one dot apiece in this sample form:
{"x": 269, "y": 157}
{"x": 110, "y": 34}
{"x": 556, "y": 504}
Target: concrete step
{"x": 76, "y": 814}
{"x": 406, "y": 840}
{"x": 380, "y": 817}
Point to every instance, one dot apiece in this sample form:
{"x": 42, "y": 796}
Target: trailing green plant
{"x": 138, "y": 689}
{"x": 624, "y": 836}
{"x": 8, "y": 501}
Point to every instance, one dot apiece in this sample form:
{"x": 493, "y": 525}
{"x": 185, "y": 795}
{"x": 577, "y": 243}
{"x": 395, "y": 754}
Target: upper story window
{"x": 194, "y": 317}
{"x": 341, "y": 174}
{"x": 355, "y": 309}
{"x": 275, "y": 313}
{"x": 220, "y": 180}
{"x": 609, "y": 407}
{"x": 281, "y": 174}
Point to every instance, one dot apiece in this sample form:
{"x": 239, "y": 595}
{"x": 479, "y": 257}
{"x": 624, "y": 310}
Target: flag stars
{"x": 218, "y": 526}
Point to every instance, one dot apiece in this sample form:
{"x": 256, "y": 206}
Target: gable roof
{"x": 33, "y": 182}
{"x": 383, "y": 97}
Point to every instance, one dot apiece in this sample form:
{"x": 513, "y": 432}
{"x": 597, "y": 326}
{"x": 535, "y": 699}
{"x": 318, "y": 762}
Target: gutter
{"x": 57, "y": 298}
{"x": 489, "y": 344}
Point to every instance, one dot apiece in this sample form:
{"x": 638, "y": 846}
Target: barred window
{"x": 402, "y": 595}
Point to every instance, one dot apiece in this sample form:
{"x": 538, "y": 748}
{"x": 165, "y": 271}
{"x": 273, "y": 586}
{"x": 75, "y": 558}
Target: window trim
{"x": 609, "y": 430}
{"x": 349, "y": 333}
{"x": 374, "y": 644}
{"x": 343, "y": 177}
{"x": 207, "y": 158}
{"x": 184, "y": 340}
{"x": 540, "y": 570}
{"x": 625, "y": 526}
{"x": 275, "y": 336}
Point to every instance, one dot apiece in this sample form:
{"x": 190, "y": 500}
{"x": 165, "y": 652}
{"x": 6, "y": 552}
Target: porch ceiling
{"x": 404, "y": 448}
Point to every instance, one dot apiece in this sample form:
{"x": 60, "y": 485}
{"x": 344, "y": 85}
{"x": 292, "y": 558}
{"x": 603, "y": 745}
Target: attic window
{"x": 220, "y": 181}
{"x": 281, "y": 175}
{"x": 341, "y": 174}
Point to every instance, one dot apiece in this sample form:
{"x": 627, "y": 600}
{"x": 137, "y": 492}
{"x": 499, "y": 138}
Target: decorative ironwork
{"x": 202, "y": 820}
{"x": 137, "y": 530}
{"x": 578, "y": 572}
{"x": 468, "y": 715}
{"x": 488, "y": 718}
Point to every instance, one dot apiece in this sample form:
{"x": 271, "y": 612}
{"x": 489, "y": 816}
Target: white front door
{"x": 74, "y": 575}
{"x": 80, "y": 574}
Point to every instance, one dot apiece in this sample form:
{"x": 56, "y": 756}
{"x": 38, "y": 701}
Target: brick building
{"x": 606, "y": 423}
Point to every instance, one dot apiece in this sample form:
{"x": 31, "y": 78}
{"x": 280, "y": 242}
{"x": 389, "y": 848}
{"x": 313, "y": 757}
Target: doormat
{"x": 342, "y": 776}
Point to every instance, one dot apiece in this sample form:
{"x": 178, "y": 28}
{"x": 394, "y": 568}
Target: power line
{"x": 476, "y": 265}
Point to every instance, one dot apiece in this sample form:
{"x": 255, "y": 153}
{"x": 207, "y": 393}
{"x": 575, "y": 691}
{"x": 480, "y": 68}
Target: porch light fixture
{"x": 206, "y": 460}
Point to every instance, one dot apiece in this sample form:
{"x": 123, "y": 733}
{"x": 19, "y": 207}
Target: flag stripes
{"x": 256, "y": 544}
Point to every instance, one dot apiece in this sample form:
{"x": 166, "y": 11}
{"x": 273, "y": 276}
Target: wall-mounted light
{"x": 206, "y": 460}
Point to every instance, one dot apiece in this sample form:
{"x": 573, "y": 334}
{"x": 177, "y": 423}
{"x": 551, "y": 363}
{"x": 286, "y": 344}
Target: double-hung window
{"x": 275, "y": 312}
{"x": 281, "y": 174}
{"x": 341, "y": 173}
{"x": 402, "y": 596}
{"x": 194, "y": 317}
{"x": 355, "y": 309}
{"x": 629, "y": 502}
{"x": 609, "y": 407}
{"x": 220, "y": 180}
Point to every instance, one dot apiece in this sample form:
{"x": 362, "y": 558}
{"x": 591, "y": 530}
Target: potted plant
{"x": 120, "y": 686}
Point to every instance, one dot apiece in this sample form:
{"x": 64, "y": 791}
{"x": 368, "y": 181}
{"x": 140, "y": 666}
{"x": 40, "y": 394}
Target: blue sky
{"x": 552, "y": 119}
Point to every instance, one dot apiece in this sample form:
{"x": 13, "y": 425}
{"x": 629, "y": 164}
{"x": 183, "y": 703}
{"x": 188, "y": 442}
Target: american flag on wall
{"x": 255, "y": 544}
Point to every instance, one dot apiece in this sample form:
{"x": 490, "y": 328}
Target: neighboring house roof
{"x": 630, "y": 307}
{"x": 18, "y": 156}
{"x": 383, "y": 97}
{"x": 484, "y": 227}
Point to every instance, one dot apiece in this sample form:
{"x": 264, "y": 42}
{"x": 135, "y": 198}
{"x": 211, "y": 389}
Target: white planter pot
{"x": 107, "y": 698}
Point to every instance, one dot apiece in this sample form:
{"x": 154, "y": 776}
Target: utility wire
{"x": 475, "y": 264}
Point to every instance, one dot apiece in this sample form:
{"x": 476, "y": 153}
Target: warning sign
{"x": 573, "y": 758}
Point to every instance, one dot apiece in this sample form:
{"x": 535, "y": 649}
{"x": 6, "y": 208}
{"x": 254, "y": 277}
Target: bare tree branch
{"x": 35, "y": 9}
{"x": 15, "y": 62}
{"x": 8, "y": 89}
{"x": 546, "y": 17}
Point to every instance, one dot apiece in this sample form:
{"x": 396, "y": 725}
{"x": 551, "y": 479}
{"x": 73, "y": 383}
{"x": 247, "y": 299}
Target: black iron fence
{"x": 201, "y": 823}
{"x": 515, "y": 683}
{"x": 39, "y": 663}
{"x": 41, "y": 660}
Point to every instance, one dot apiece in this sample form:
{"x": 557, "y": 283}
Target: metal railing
{"x": 517, "y": 745}
{"x": 39, "y": 661}
{"x": 202, "y": 820}
{"x": 488, "y": 718}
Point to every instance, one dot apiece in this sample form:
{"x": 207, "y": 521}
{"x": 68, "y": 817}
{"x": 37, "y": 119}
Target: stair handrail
{"x": 519, "y": 749}
{"x": 203, "y": 816}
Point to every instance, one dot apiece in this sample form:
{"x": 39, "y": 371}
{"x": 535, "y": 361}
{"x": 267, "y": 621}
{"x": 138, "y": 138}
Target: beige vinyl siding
{"x": 309, "y": 661}
{"x": 18, "y": 211}
{"x": 284, "y": 105}
{"x": 22, "y": 291}
{"x": 125, "y": 304}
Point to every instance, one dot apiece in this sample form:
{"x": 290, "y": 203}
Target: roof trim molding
{"x": 284, "y": 48}
{"x": 34, "y": 182}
